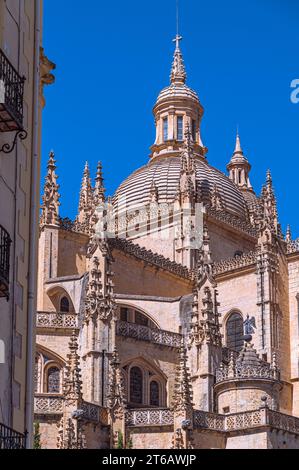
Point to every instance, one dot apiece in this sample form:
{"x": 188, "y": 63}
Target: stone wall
{"x": 150, "y": 438}
{"x": 147, "y": 280}
{"x": 208, "y": 440}
{"x": 294, "y": 328}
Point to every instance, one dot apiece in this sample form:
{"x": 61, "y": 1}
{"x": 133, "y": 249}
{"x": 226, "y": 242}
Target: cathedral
{"x": 168, "y": 314}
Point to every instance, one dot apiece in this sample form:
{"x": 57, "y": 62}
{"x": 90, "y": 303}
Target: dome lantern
{"x": 177, "y": 107}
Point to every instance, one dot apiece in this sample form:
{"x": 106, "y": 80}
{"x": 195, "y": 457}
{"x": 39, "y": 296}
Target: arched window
{"x": 165, "y": 129}
{"x": 53, "y": 380}
{"x": 154, "y": 393}
{"x": 136, "y": 385}
{"x": 180, "y": 132}
{"x": 234, "y": 332}
{"x": 64, "y": 304}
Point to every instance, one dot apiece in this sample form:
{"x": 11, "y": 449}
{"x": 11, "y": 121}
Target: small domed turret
{"x": 176, "y": 108}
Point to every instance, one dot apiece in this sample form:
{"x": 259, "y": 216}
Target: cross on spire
{"x": 177, "y": 40}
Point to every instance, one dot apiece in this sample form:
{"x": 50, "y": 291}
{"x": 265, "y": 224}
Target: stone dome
{"x": 164, "y": 174}
{"x": 177, "y": 90}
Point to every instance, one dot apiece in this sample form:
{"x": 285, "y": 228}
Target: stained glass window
{"x": 234, "y": 332}
{"x": 136, "y": 386}
{"x": 64, "y": 305}
{"x": 180, "y": 127}
{"x": 53, "y": 382}
{"x": 154, "y": 393}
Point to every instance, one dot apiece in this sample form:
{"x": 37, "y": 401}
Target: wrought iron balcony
{"x": 11, "y": 439}
{"x": 11, "y": 102}
{"x": 5, "y": 242}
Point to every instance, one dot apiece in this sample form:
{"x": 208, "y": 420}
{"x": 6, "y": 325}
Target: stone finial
{"x": 268, "y": 216}
{"x": 288, "y": 237}
{"x": 232, "y": 365}
{"x": 178, "y": 73}
{"x": 205, "y": 264}
{"x": 216, "y": 199}
{"x": 188, "y": 165}
{"x": 99, "y": 190}
{"x": 72, "y": 388}
{"x": 182, "y": 400}
{"x": 50, "y": 198}
{"x": 116, "y": 398}
{"x": 99, "y": 300}
{"x": 154, "y": 195}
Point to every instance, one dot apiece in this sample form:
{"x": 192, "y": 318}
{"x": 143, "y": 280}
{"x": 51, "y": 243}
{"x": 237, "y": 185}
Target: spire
{"x": 268, "y": 205}
{"x": 187, "y": 185}
{"x": 182, "y": 400}
{"x": 85, "y": 200}
{"x": 178, "y": 73}
{"x": 205, "y": 264}
{"x": 99, "y": 190}
{"x": 239, "y": 167}
{"x": 72, "y": 388}
{"x": 205, "y": 325}
{"x": 238, "y": 148}
{"x": 85, "y": 193}
{"x": 50, "y": 198}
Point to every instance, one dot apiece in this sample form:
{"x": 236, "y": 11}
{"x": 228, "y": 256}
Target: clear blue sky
{"x": 113, "y": 58}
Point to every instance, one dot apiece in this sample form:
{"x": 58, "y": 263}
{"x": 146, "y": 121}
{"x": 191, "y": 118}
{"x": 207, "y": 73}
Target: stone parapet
{"x": 144, "y": 333}
{"x": 56, "y": 320}
{"x": 150, "y": 417}
{"x": 247, "y": 420}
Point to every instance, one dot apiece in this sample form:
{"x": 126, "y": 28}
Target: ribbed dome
{"x": 177, "y": 90}
{"x": 250, "y": 198}
{"x": 165, "y": 174}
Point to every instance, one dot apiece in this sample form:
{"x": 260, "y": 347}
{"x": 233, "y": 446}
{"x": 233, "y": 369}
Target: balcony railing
{"x": 150, "y": 417}
{"x": 95, "y": 413}
{"x": 11, "y": 96}
{"x": 144, "y": 333}
{"x": 5, "y": 242}
{"x": 45, "y": 404}
{"x": 56, "y": 320}
{"x": 11, "y": 439}
{"x": 246, "y": 420}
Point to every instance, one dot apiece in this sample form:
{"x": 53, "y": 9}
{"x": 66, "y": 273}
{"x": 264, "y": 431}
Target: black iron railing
{"x": 5, "y": 242}
{"x": 11, "y": 96}
{"x": 11, "y": 439}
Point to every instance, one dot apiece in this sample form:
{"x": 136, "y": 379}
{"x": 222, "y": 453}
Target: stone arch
{"x": 150, "y": 373}
{"x": 152, "y": 322}
{"x": 56, "y": 294}
{"x": 46, "y": 359}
